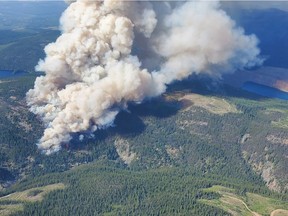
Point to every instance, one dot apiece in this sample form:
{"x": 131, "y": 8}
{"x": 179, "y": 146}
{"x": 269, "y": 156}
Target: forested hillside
{"x": 225, "y": 137}
{"x": 103, "y": 188}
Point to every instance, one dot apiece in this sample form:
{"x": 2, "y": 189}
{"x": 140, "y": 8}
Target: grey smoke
{"x": 91, "y": 74}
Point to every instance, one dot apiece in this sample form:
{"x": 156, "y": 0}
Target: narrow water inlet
{"x": 264, "y": 90}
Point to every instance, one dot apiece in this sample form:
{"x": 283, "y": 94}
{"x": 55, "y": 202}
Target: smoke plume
{"x": 91, "y": 70}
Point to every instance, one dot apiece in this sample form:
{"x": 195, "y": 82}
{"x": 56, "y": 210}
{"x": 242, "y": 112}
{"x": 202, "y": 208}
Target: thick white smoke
{"x": 91, "y": 73}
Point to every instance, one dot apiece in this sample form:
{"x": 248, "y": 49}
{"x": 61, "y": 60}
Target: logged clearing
{"x": 249, "y": 205}
{"x": 15, "y": 201}
{"x": 214, "y": 105}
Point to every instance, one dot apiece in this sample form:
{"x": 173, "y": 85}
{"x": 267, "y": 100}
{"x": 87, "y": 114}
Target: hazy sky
{"x": 282, "y": 5}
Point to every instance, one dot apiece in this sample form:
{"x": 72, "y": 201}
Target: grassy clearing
{"x": 251, "y": 204}
{"x": 270, "y": 106}
{"x": 27, "y": 195}
{"x": 213, "y": 105}
{"x": 283, "y": 122}
{"x": 14, "y": 202}
{"x": 264, "y": 205}
{"x": 6, "y": 210}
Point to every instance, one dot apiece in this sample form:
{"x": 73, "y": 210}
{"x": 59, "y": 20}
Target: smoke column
{"x": 91, "y": 72}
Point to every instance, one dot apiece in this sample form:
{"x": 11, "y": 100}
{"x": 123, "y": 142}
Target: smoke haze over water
{"x": 91, "y": 72}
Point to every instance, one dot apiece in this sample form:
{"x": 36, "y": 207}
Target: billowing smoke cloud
{"x": 91, "y": 72}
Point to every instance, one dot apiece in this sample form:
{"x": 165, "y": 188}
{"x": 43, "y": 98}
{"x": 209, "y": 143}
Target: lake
{"x": 265, "y": 90}
{"x": 7, "y": 73}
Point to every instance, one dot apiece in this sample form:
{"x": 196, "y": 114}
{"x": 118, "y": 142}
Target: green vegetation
{"x": 34, "y": 193}
{"x": 213, "y": 105}
{"x": 9, "y": 209}
{"x": 155, "y": 161}
{"x": 283, "y": 121}
{"x": 14, "y": 202}
{"x": 177, "y": 152}
{"x": 244, "y": 203}
{"x": 104, "y": 188}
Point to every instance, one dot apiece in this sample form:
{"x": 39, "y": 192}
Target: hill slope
{"x": 230, "y": 138}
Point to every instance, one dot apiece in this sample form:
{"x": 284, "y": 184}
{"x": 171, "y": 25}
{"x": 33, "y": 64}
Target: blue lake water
{"x": 265, "y": 90}
{"x": 7, "y": 73}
